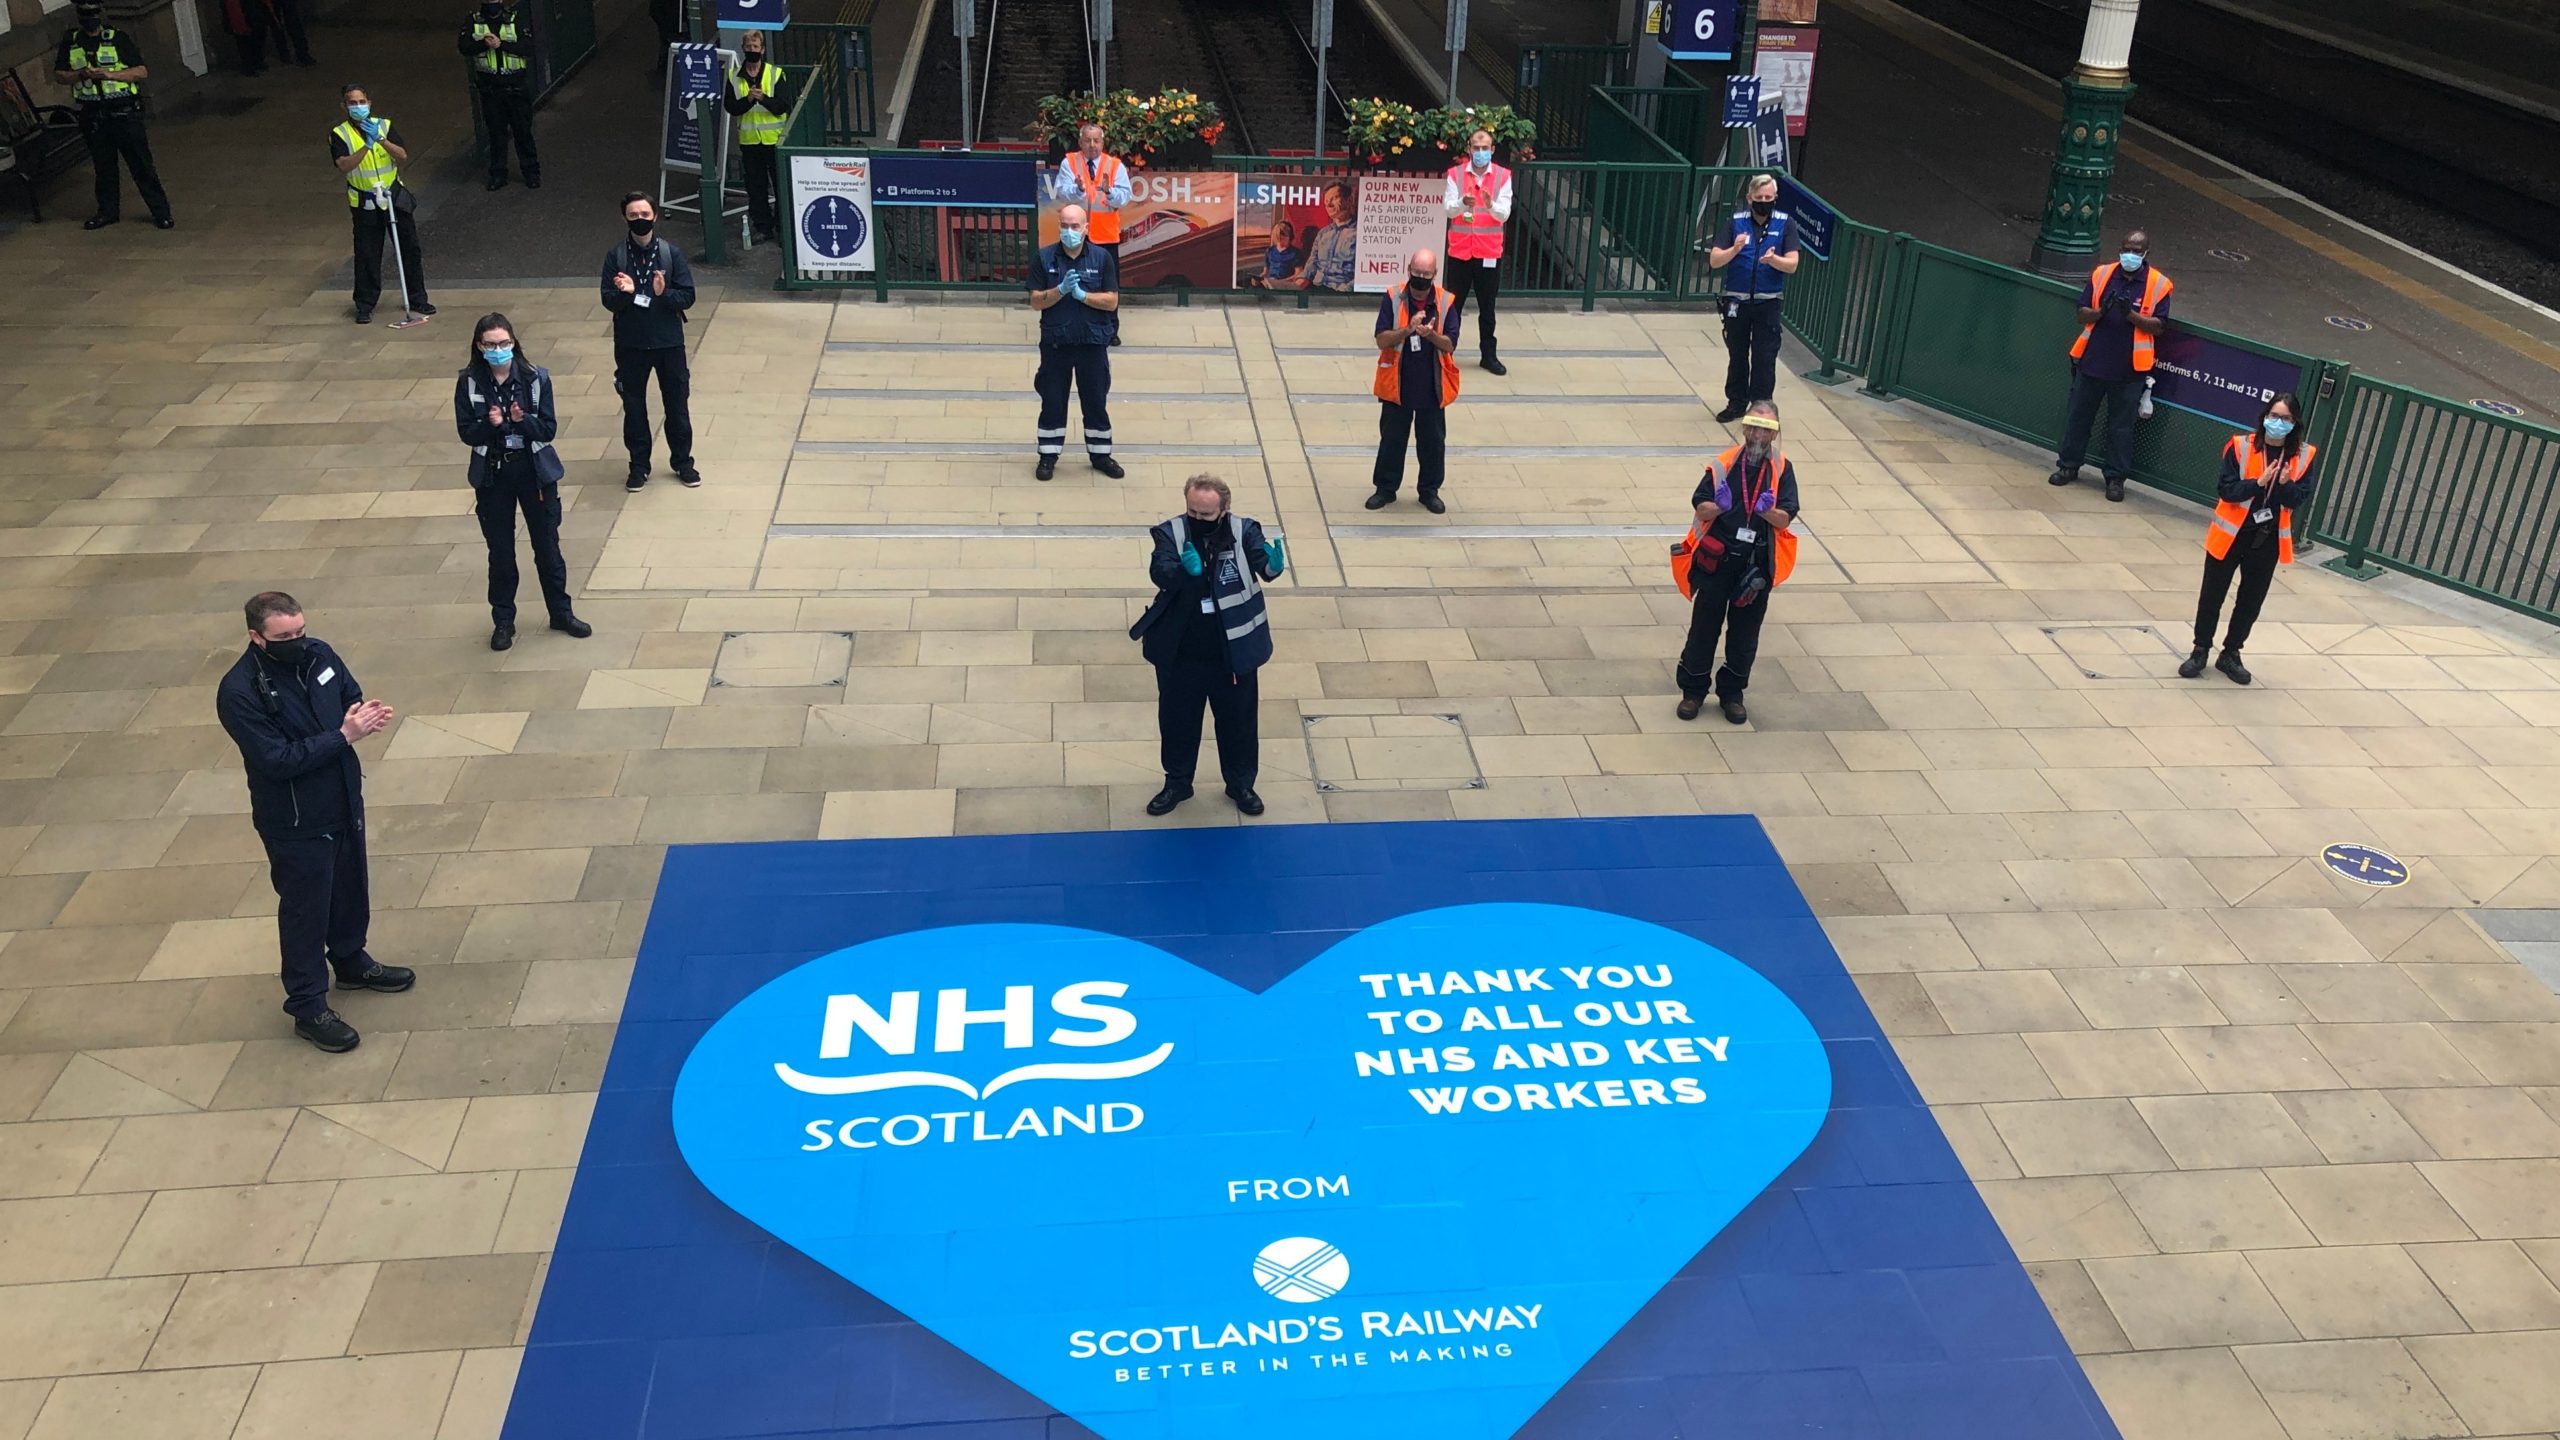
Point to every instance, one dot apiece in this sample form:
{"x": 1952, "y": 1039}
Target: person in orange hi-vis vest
{"x": 1478, "y": 200}
{"x": 2123, "y": 309}
{"x": 1417, "y": 381}
{"x": 1098, "y": 182}
{"x": 1743, "y": 502}
{"x": 2266, "y": 475}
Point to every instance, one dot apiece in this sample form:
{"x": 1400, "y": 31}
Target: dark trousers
{"x": 292, "y": 41}
{"x": 253, "y": 45}
{"x": 1752, "y": 334}
{"x": 371, "y": 226}
{"x": 631, "y": 372}
{"x": 759, "y": 163}
{"x": 1182, "y": 689}
{"x": 1430, "y": 431}
{"x": 506, "y": 109}
{"x": 1712, "y": 613}
{"x": 322, "y": 909}
{"x": 2256, "y": 567}
{"x": 2123, "y": 399}
{"x": 115, "y": 133}
{"x": 1088, "y": 368}
{"x": 496, "y": 505}
{"x": 1484, "y": 282}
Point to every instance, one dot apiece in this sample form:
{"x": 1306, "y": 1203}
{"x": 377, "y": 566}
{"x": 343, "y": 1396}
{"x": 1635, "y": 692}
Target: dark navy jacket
{"x": 1071, "y": 321}
{"x": 304, "y": 779}
{"x": 1230, "y": 585}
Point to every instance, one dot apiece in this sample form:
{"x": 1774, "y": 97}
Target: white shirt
{"x": 1454, "y": 202}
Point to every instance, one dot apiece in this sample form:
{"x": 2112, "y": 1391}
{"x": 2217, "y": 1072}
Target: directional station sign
{"x": 1701, "y": 29}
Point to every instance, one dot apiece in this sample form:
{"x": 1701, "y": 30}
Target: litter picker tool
{"x": 409, "y": 318}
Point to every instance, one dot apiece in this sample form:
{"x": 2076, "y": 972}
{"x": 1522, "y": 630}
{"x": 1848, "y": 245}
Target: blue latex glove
{"x": 1191, "y": 560}
{"x": 1279, "y": 559}
{"x": 1072, "y": 284}
{"x": 376, "y": 129}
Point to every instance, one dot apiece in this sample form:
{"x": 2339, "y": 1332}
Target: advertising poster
{"x": 2202, "y": 374}
{"x": 1399, "y": 214}
{"x": 1179, "y": 228}
{"x": 1790, "y": 12}
{"x": 1785, "y": 67}
{"x": 1296, "y": 232}
{"x": 831, "y": 213}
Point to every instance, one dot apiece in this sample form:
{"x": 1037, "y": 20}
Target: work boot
{"x": 1729, "y": 414}
{"x": 1173, "y": 793}
{"x": 327, "y": 1032}
{"x": 2061, "y": 476}
{"x": 2193, "y": 665}
{"x": 1379, "y": 500}
{"x": 1108, "y": 466}
{"x": 1433, "y": 503}
{"x": 1047, "y": 467}
{"x": 2115, "y": 488}
{"x": 2230, "y": 665}
{"x": 388, "y": 979}
{"x": 1734, "y": 714}
{"x": 365, "y": 316}
{"x": 1492, "y": 363}
{"x": 503, "y": 638}
{"x": 572, "y": 626}
{"x": 1690, "y": 705}
{"x": 1246, "y": 800}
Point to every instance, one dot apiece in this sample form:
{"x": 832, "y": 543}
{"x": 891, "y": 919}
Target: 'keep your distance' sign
{"x": 831, "y": 213}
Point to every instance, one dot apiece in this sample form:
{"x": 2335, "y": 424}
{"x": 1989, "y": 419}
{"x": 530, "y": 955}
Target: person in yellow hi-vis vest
{"x": 103, "y": 66}
{"x": 760, "y": 96}
{"x": 369, "y": 154}
{"x": 499, "y": 46}
{"x": 2266, "y": 476}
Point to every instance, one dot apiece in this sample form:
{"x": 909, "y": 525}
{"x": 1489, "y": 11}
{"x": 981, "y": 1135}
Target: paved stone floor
{"x": 2283, "y": 1152}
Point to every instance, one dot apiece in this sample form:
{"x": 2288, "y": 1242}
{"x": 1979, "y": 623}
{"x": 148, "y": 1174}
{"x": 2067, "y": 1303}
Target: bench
{"x": 37, "y": 142}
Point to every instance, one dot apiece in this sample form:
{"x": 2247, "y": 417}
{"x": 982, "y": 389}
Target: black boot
{"x": 2194, "y": 664}
{"x": 1173, "y": 793}
{"x": 2230, "y": 665}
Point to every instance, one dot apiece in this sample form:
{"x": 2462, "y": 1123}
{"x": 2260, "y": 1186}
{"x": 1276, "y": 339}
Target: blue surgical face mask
{"x": 1482, "y": 158}
{"x": 2278, "y": 428}
{"x": 359, "y": 112}
{"x": 2131, "y": 259}
{"x": 501, "y": 355}
{"x": 1072, "y": 239}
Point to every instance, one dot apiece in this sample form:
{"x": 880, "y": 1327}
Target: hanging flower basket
{"x": 1168, "y": 127}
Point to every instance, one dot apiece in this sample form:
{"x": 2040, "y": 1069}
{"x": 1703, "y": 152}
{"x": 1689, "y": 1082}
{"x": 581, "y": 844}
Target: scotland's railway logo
{"x": 1302, "y": 1270}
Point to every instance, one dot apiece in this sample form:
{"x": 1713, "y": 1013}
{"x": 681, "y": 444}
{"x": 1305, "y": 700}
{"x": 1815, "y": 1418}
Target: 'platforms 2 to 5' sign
{"x": 1700, "y": 29}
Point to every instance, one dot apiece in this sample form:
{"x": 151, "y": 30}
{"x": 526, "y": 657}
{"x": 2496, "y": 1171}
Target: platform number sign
{"x": 1701, "y": 29}
{"x": 754, "y": 14}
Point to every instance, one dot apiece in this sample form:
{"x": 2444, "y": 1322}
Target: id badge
{"x": 1733, "y": 309}
{"x": 1748, "y": 534}
{"x": 1492, "y": 261}
{"x": 1208, "y": 607}
{"x": 515, "y": 442}
{"x": 2262, "y": 516}
{"x": 1413, "y": 342}
{"x": 640, "y": 299}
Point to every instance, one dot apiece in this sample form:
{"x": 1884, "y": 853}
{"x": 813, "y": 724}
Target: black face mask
{"x": 640, "y": 228}
{"x": 1763, "y": 209}
{"x": 1418, "y": 287}
{"x": 289, "y": 652}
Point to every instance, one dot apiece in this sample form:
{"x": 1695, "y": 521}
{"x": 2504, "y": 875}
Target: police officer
{"x": 296, "y": 713}
{"x": 648, "y": 285}
{"x": 103, "y": 66}
{"x": 1746, "y": 497}
{"x": 1416, "y": 383}
{"x": 503, "y": 409}
{"x": 1208, "y": 633}
{"x": 1075, "y": 285}
{"x": 500, "y": 49}
{"x": 1759, "y": 244}
{"x": 2122, "y": 312}
{"x": 760, "y": 96}
{"x": 2265, "y": 478}
{"x": 1099, "y": 183}
{"x": 1478, "y": 199}
{"x": 366, "y": 149}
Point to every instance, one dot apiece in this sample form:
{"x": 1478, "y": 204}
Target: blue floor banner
{"x": 1556, "y": 1129}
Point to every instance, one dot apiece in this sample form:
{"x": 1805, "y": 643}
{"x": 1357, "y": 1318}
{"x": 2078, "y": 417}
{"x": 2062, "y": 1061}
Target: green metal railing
{"x": 1832, "y": 305}
{"x": 1552, "y": 89}
{"x": 1686, "y": 117}
{"x": 836, "y": 61}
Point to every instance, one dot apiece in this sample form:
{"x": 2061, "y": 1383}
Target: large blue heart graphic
{"x": 1407, "y": 1192}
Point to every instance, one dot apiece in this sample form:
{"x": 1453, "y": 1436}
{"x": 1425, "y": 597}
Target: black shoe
{"x": 1247, "y": 801}
{"x": 2115, "y": 491}
{"x": 305, "y": 61}
{"x": 1734, "y": 714}
{"x": 762, "y": 237}
{"x": 1434, "y": 504}
{"x": 502, "y": 638}
{"x": 1379, "y": 500}
{"x": 364, "y": 317}
{"x": 1168, "y": 797}
{"x": 1729, "y": 414}
{"x": 2230, "y": 665}
{"x": 1690, "y": 705}
{"x": 1109, "y": 466}
{"x": 572, "y": 626}
{"x": 2061, "y": 476}
{"x": 2192, "y": 667}
{"x": 688, "y": 477}
{"x": 388, "y": 979}
{"x": 497, "y": 182}
{"x": 165, "y": 223}
{"x": 422, "y": 308}
{"x": 327, "y": 1032}
{"x": 638, "y": 477}
{"x": 533, "y": 182}
{"x": 99, "y": 222}
{"x": 1047, "y": 467}
{"x": 1493, "y": 364}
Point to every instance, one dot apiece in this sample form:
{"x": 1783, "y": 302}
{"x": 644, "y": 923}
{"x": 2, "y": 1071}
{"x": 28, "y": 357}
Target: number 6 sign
{"x": 1700, "y": 29}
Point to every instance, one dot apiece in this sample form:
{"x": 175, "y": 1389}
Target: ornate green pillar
{"x": 2084, "y": 150}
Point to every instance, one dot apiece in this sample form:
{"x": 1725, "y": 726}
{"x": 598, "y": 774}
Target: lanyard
{"x": 1747, "y": 493}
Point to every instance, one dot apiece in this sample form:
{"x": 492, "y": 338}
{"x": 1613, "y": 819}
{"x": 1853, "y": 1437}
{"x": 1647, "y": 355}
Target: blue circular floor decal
{"x": 2366, "y": 866}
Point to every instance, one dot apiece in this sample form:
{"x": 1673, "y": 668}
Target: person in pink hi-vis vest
{"x": 1479, "y": 203}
